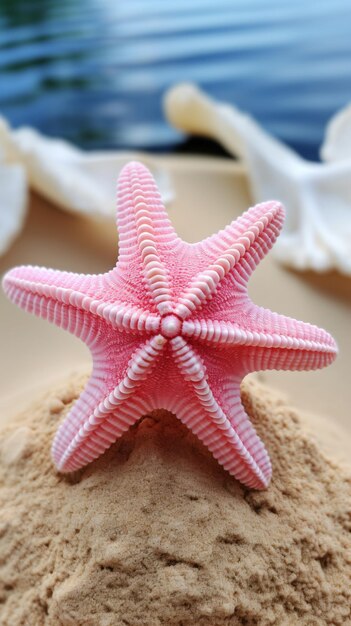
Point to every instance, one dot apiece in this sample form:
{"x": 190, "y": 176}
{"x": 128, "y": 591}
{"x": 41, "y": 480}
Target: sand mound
{"x": 156, "y": 533}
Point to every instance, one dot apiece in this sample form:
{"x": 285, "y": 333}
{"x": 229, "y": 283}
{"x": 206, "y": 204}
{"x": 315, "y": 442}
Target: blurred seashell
{"x": 317, "y": 196}
{"x": 337, "y": 141}
{"x": 12, "y": 203}
{"x": 76, "y": 181}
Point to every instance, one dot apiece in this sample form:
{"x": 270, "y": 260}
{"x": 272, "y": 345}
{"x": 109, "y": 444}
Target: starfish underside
{"x": 171, "y": 326}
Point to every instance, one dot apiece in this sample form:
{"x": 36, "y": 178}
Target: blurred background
{"x": 94, "y": 71}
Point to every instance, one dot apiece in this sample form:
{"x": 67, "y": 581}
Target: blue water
{"x": 94, "y": 71}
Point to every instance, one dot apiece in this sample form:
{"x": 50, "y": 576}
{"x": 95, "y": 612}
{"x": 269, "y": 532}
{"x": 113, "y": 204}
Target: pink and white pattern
{"x": 171, "y": 326}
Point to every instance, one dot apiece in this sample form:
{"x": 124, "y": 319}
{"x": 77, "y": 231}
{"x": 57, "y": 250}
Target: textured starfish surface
{"x": 171, "y": 326}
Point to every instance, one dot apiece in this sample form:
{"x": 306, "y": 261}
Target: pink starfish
{"x": 171, "y": 326}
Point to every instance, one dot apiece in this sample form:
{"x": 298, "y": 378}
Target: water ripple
{"x": 94, "y": 70}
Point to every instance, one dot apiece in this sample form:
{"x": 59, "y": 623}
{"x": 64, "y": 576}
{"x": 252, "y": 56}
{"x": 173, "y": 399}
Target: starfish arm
{"x": 86, "y": 432}
{"x": 92, "y": 285}
{"x": 49, "y": 302}
{"x": 145, "y": 235}
{"x": 230, "y": 437}
{"x": 62, "y": 298}
{"x": 263, "y": 224}
{"x": 302, "y": 346}
{"x": 268, "y": 341}
{"x": 255, "y": 359}
{"x": 214, "y": 246}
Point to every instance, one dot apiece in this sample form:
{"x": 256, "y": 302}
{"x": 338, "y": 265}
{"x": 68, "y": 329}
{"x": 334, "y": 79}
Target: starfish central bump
{"x": 172, "y": 327}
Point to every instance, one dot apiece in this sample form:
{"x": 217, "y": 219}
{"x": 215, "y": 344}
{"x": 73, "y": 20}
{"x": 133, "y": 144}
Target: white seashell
{"x": 317, "y": 196}
{"x": 76, "y": 181}
{"x": 337, "y": 141}
{"x": 13, "y": 203}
